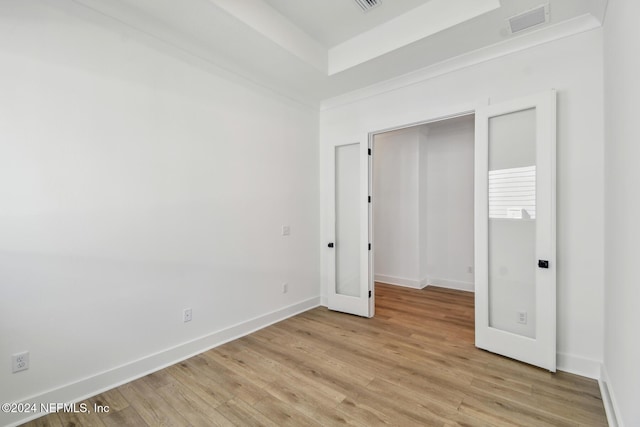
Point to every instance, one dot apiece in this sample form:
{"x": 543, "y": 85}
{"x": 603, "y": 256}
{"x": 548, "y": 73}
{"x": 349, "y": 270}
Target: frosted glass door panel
{"x": 347, "y": 244}
{"x": 515, "y": 233}
{"x": 512, "y": 222}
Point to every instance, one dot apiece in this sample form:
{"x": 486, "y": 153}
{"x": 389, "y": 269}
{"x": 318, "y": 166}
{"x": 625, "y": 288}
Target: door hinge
{"x": 369, "y": 151}
{"x": 369, "y": 294}
{"x": 369, "y": 246}
{"x": 369, "y": 199}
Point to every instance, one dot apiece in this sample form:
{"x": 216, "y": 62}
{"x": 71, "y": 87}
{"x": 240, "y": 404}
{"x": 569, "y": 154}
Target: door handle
{"x": 543, "y": 263}
{"x": 330, "y": 245}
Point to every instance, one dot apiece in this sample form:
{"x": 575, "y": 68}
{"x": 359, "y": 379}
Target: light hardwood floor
{"x": 414, "y": 364}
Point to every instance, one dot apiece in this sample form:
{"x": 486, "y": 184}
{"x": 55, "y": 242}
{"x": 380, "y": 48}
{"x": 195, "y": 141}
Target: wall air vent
{"x": 367, "y": 5}
{"x": 530, "y": 18}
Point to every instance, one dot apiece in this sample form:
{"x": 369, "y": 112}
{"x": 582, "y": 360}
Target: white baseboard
{"x": 399, "y": 281}
{"x": 608, "y": 399}
{"x": 96, "y": 384}
{"x": 578, "y": 365}
{"x": 429, "y": 281}
{"x": 451, "y": 284}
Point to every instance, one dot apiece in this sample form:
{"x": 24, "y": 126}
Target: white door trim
{"x": 444, "y": 115}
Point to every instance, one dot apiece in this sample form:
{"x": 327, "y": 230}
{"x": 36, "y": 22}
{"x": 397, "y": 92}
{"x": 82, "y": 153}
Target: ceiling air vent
{"x": 530, "y": 18}
{"x": 367, "y": 5}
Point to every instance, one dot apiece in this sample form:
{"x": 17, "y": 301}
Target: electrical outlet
{"x": 522, "y": 317}
{"x": 286, "y": 230}
{"x": 20, "y": 362}
{"x": 187, "y": 315}
{"x": 285, "y": 288}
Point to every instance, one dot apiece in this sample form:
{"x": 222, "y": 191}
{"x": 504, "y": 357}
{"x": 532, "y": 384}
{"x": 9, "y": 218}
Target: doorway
{"x": 514, "y": 228}
{"x": 423, "y": 205}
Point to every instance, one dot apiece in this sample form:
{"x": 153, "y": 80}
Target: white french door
{"x": 349, "y": 247}
{"x": 515, "y": 229}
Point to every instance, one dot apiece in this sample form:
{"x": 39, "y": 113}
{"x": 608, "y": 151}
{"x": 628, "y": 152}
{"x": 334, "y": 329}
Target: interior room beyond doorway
{"x": 423, "y": 201}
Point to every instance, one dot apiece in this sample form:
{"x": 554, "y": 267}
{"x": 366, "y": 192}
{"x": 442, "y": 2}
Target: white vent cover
{"x": 367, "y": 5}
{"x": 530, "y": 18}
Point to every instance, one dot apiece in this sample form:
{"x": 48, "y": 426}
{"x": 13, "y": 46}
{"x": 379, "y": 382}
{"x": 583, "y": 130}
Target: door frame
{"x": 437, "y": 117}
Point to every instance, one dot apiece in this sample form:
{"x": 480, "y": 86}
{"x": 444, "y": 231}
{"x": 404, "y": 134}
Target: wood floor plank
{"x": 307, "y": 359}
{"x": 228, "y": 381}
{"x": 199, "y": 383}
{"x": 311, "y": 403}
{"x": 366, "y": 412}
{"x": 152, "y": 408}
{"x": 425, "y": 403}
{"x": 124, "y": 417}
{"x": 325, "y": 371}
{"x": 413, "y": 364}
{"x": 284, "y": 414}
{"x": 81, "y": 418}
{"x": 112, "y": 399}
{"x": 240, "y": 413}
{"x": 497, "y": 410}
{"x": 189, "y": 404}
{"x": 401, "y": 412}
{"x": 51, "y": 420}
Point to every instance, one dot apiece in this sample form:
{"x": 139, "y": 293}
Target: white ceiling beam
{"x": 423, "y": 21}
{"x": 274, "y": 26}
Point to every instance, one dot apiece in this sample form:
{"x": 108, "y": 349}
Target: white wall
{"x": 622, "y": 227}
{"x": 395, "y": 207}
{"x": 448, "y": 151}
{"x": 133, "y": 185}
{"x": 572, "y": 65}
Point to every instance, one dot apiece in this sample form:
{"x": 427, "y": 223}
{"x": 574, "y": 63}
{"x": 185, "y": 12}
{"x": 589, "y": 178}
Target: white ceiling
{"x": 316, "y": 50}
{"x": 332, "y": 22}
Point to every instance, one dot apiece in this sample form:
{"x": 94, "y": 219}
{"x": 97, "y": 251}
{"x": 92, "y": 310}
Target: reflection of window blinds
{"x": 512, "y": 193}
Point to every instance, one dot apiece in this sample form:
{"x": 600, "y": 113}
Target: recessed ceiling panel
{"x": 332, "y": 22}
{"x": 421, "y": 22}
